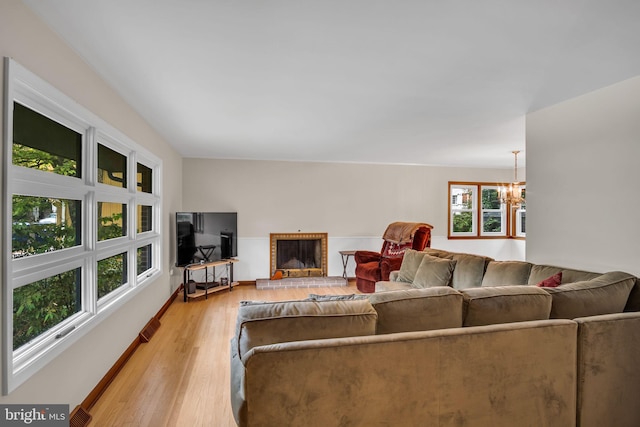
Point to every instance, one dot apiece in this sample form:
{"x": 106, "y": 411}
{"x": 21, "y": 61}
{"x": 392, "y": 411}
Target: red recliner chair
{"x": 372, "y": 267}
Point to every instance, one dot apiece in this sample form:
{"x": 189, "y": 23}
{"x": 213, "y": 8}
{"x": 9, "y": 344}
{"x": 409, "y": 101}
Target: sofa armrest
{"x": 362, "y": 257}
{"x": 387, "y": 265}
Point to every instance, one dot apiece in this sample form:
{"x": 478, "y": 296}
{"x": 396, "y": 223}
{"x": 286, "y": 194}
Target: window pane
{"x": 461, "y": 198}
{"x": 41, "y": 305}
{"x": 112, "y": 273}
{"x": 43, "y": 144}
{"x": 490, "y": 198}
{"x": 112, "y": 167}
{"x": 145, "y": 218}
{"x": 492, "y": 222}
{"x": 462, "y": 222}
{"x": 144, "y": 259}
{"x": 523, "y": 217}
{"x": 41, "y": 224}
{"x": 144, "y": 179}
{"x": 112, "y": 220}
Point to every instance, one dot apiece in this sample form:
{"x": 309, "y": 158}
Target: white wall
{"x": 73, "y": 374}
{"x": 582, "y": 181}
{"x": 353, "y": 203}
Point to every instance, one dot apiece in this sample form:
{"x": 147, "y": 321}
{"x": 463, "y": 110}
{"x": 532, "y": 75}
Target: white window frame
{"x": 502, "y": 210}
{"x": 473, "y": 210}
{"x": 28, "y": 89}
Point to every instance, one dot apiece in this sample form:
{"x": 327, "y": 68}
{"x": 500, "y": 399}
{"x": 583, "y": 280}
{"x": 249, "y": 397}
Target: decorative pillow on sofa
{"x": 275, "y": 322}
{"x": 603, "y": 295}
{"x": 434, "y": 271}
{"x": 410, "y": 263}
{"x": 551, "y": 282}
{"x": 505, "y": 304}
{"x": 417, "y": 309}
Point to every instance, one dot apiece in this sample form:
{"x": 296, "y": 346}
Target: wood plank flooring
{"x": 181, "y": 377}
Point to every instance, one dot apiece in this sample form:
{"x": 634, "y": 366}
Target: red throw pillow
{"x": 551, "y": 282}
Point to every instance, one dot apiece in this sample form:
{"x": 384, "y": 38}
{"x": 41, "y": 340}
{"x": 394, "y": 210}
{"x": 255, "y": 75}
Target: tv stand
{"x": 207, "y": 287}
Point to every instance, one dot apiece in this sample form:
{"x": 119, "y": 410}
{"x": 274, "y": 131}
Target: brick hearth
{"x": 300, "y": 282}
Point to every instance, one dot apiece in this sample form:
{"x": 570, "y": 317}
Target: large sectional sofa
{"x": 451, "y": 340}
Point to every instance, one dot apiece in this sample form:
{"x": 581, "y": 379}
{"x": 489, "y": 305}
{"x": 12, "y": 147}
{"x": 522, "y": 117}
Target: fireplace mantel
{"x": 314, "y": 264}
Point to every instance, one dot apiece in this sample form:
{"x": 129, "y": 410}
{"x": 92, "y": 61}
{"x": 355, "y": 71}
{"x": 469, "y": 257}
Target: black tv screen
{"x": 206, "y": 236}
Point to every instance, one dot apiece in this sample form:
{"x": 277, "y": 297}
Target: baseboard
{"x": 81, "y": 412}
{"x": 246, "y": 283}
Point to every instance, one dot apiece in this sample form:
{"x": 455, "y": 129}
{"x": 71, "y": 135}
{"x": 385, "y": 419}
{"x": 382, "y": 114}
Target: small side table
{"x": 345, "y": 260}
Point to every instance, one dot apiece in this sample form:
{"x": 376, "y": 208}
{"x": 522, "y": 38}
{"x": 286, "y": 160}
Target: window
{"x": 463, "y": 210}
{"x": 493, "y": 217}
{"x": 112, "y": 274}
{"x": 83, "y": 201}
{"x": 476, "y": 211}
{"x": 112, "y": 167}
{"x": 112, "y": 220}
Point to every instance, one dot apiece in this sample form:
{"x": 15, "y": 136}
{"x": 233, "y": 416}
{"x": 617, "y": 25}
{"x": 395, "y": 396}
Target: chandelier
{"x": 512, "y": 194}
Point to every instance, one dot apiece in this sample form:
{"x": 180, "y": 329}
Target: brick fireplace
{"x": 299, "y": 254}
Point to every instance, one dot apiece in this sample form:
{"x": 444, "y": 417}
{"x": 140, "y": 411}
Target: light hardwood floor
{"x": 181, "y": 376}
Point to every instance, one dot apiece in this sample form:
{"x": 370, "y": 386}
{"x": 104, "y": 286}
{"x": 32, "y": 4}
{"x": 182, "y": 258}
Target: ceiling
{"x": 368, "y": 81}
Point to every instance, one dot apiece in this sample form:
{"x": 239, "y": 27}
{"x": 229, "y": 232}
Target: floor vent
{"x": 149, "y": 329}
{"x": 79, "y": 418}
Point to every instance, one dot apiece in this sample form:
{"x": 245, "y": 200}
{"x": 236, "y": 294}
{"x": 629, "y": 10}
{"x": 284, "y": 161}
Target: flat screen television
{"x": 205, "y": 236}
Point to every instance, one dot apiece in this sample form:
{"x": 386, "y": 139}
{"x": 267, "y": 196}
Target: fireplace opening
{"x": 299, "y": 254}
{"x": 296, "y": 254}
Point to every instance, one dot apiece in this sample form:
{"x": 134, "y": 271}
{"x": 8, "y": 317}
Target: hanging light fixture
{"x": 512, "y": 194}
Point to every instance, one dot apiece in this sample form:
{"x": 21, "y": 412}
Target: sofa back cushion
{"x": 607, "y": 293}
{"x": 505, "y": 304}
{"x": 540, "y": 272}
{"x": 469, "y": 270}
{"x": 439, "y": 253}
{"x": 261, "y": 323}
{"x": 501, "y": 273}
{"x": 417, "y": 309}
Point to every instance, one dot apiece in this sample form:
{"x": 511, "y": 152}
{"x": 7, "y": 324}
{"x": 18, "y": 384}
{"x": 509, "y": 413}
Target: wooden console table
{"x": 206, "y": 287}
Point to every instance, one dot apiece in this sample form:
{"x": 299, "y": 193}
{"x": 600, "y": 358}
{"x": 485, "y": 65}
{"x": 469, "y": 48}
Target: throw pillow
{"x": 410, "y": 263}
{"x": 434, "y": 271}
{"x": 551, "y": 282}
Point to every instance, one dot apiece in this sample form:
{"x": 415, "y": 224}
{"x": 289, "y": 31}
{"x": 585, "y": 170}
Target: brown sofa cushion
{"x": 605, "y": 294}
{"x": 608, "y": 375}
{"x": 275, "y": 322}
{"x": 505, "y": 304}
{"x": 434, "y": 271}
{"x": 540, "y": 272}
{"x": 410, "y": 264}
{"x": 501, "y": 273}
{"x": 417, "y": 309}
{"x": 386, "y": 285}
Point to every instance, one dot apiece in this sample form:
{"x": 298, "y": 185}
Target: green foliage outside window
{"x": 112, "y": 273}
{"x": 39, "y": 306}
{"x": 463, "y": 222}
